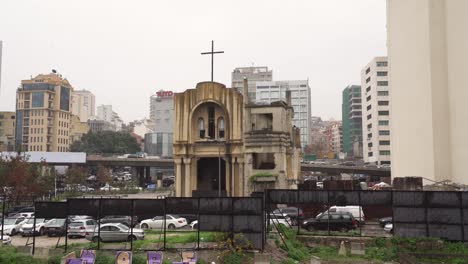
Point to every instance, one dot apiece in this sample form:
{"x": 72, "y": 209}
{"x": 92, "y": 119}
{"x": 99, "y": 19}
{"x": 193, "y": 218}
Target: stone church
{"x": 226, "y": 145}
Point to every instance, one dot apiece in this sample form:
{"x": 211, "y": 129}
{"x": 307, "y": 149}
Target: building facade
{"x": 351, "y": 108}
{"x": 159, "y": 144}
{"x": 376, "y": 108}
{"x": 162, "y": 111}
{"x": 253, "y": 75}
{"x": 43, "y": 114}
{"x": 336, "y": 138}
{"x": 83, "y": 105}
{"x": 105, "y": 113}
{"x": 96, "y": 125}
{"x": 427, "y": 53}
{"x": 268, "y": 92}
{"x": 77, "y": 128}
{"x": 7, "y": 131}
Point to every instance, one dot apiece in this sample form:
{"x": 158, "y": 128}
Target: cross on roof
{"x": 212, "y": 52}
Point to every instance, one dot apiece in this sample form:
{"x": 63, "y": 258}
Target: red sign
{"x": 164, "y": 94}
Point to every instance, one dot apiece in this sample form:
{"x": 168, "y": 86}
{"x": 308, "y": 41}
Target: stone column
{"x": 234, "y": 178}
{"x": 187, "y": 177}
{"x": 241, "y": 177}
{"x": 178, "y": 178}
{"x": 227, "y": 179}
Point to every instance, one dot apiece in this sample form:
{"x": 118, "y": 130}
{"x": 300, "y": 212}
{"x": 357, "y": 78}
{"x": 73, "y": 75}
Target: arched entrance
{"x": 209, "y": 172}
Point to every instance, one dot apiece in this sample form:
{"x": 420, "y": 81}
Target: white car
{"x": 389, "y": 228}
{"x": 194, "y": 224}
{"x": 27, "y": 227}
{"x": 6, "y": 240}
{"x": 13, "y": 225}
{"x": 172, "y": 222}
{"x": 276, "y": 219}
{"x": 107, "y": 187}
{"x": 79, "y": 228}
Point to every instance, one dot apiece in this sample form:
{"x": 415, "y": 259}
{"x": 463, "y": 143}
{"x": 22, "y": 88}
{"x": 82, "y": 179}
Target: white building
{"x": 336, "y": 138}
{"x": 376, "y": 111}
{"x": 104, "y": 112}
{"x": 142, "y": 127}
{"x": 253, "y": 75}
{"x": 83, "y": 104}
{"x": 162, "y": 111}
{"x": 427, "y": 52}
{"x": 268, "y": 92}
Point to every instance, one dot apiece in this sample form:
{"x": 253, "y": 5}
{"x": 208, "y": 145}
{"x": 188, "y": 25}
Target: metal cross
{"x": 212, "y": 52}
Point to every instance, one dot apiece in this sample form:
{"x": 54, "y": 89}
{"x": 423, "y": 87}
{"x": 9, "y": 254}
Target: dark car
{"x": 166, "y": 182}
{"x": 123, "y": 219}
{"x": 385, "y": 220}
{"x": 55, "y": 227}
{"x": 296, "y": 214}
{"x": 339, "y": 221}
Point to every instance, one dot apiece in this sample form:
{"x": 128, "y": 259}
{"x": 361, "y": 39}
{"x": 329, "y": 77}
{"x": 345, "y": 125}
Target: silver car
{"x": 79, "y": 228}
{"x": 115, "y": 232}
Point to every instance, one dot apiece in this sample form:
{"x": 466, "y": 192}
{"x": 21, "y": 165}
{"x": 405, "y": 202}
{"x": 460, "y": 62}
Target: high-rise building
{"x": 77, "y": 129}
{"x": 427, "y": 53}
{"x": 351, "y": 108}
{"x": 268, "y": 92}
{"x": 253, "y": 75}
{"x": 83, "y": 104}
{"x": 376, "y": 108}
{"x": 43, "y": 113}
{"x": 105, "y": 113}
{"x": 336, "y": 138}
{"x": 159, "y": 143}
{"x": 7, "y": 131}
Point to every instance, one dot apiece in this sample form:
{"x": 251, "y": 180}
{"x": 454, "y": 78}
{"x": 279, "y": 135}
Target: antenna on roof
{"x": 54, "y": 71}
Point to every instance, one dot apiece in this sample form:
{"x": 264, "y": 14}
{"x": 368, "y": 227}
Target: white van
{"x": 355, "y": 210}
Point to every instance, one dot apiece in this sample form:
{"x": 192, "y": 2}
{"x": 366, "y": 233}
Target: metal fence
{"x": 442, "y": 214}
{"x": 231, "y": 216}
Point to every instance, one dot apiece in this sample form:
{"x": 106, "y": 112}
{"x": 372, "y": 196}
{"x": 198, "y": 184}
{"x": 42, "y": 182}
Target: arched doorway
{"x": 209, "y": 172}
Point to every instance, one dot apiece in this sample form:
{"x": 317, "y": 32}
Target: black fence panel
{"x": 449, "y": 216}
{"x": 282, "y": 196}
{"x": 410, "y": 230}
{"x": 317, "y": 197}
{"x": 344, "y": 198}
{"x": 376, "y": 198}
{"x": 116, "y": 207}
{"x": 409, "y": 215}
{"x": 84, "y": 207}
{"x": 443, "y": 199}
{"x": 49, "y": 210}
{"x": 408, "y": 199}
{"x": 215, "y": 206}
{"x": 148, "y": 208}
{"x": 181, "y": 206}
{"x": 447, "y": 232}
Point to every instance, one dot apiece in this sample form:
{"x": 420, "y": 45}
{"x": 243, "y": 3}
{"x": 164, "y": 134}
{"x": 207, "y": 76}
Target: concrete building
{"x": 83, "y": 105}
{"x": 336, "y": 138}
{"x": 142, "y": 127}
{"x": 7, "y": 131}
{"x": 268, "y": 92}
{"x": 162, "y": 111}
{"x": 43, "y": 114}
{"x": 78, "y": 128}
{"x": 351, "y": 109}
{"x": 105, "y": 113}
{"x": 96, "y": 125}
{"x": 222, "y": 140}
{"x": 159, "y": 144}
{"x": 253, "y": 75}
{"x": 427, "y": 52}
{"x": 376, "y": 108}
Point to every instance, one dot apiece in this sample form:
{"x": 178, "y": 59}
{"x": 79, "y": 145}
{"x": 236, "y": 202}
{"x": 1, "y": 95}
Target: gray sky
{"x": 124, "y": 51}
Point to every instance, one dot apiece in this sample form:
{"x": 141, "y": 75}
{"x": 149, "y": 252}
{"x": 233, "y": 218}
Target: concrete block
{"x": 24, "y": 250}
{"x": 342, "y": 251}
{"x": 40, "y": 252}
{"x": 358, "y": 248}
{"x": 315, "y": 260}
{"x": 261, "y": 258}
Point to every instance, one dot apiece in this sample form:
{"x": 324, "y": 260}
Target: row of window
{"x": 63, "y": 124}
{"x": 63, "y": 140}
{"x": 63, "y": 132}
{"x": 37, "y": 139}
{"x": 211, "y": 128}
{"x": 36, "y": 130}
{"x": 382, "y": 153}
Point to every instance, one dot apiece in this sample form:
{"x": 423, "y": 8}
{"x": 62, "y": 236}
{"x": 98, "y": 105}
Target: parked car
{"x": 115, "y": 232}
{"x": 27, "y": 228}
{"x": 348, "y": 163}
{"x": 107, "y": 187}
{"x": 172, "y": 222}
{"x": 389, "y": 228}
{"x": 385, "y": 220}
{"x": 6, "y": 240}
{"x": 12, "y": 226}
{"x": 123, "y": 219}
{"x": 356, "y": 211}
{"x": 296, "y": 214}
{"x": 55, "y": 227}
{"x": 72, "y": 218}
{"x": 168, "y": 181}
{"x": 194, "y": 225}
{"x": 338, "y": 221}
{"x": 79, "y": 228}
{"x": 26, "y": 215}
{"x": 20, "y": 209}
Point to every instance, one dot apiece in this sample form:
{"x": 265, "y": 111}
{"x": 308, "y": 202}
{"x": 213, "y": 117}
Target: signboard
{"x": 164, "y": 94}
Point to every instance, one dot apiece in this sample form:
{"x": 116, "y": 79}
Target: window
{"x": 383, "y": 122}
{"x": 220, "y": 127}
{"x": 382, "y": 73}
{"x": 384, "y": 152}
{"x": 369, "y": 145}
{"x": 368, "y": 70}
{"x": 384, "y": 132}
{"x": 369, "y": 135}
{"x": 382, "y": 93}
{"x": 384, "y": 142}
{"x": 368, "y": 89}
{"x": 368, "y": 98}
{"x": 263, "y": 161}
{"x": 382, "y": 64}
{"x": 383, "y": 102}
{"x": 384, "y": 113}
{"x": 370, "y": 154}
{"x": 37, "y": 99}
{"x": 211, "y": 121}
{"x": 382, "y": 83}
{"x": 368, "y": 80}
{"x": 369, "y": 117}
{"x": 369, "y": 107}
{"x": 369, "y": 126}
{"x": 201, "y": 127}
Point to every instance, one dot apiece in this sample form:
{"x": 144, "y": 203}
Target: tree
{"x": 76, "y": 175}
{"x": 102, "y": 175}
{"x": 106, "y": 142}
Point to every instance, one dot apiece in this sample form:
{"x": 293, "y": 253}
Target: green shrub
{"x": 54, "y": 260}
{"x": 233, "y": 258}
{"x": 382, "y": 253}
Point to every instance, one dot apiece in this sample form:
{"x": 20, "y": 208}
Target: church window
{"x": 211, "y": 122}
{"x": 201, "y": 127}
{"x": 220, "y": 127}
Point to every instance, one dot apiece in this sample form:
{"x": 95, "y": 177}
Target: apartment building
{"x": 83, "y": 104}
{"x": 43, "y": 113}
{"x": 7, "y": 131}
{"x": 105, "y": 113}
{"x": 376, "y": 111}
{"x": 253, "y": 75}
{"x": 352, "y": 120}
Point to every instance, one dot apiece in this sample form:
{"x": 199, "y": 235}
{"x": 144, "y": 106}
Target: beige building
{"x": 214, "y": 148}
{"x": 427, "y": 52}
{"x": 83, "y": 104}
{"x": 77, "y": 129}
{"x": 7, "y": 131}
{"x": 43, "y": 114}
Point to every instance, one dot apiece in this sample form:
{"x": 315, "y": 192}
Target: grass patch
{"x": 254, "y": 177}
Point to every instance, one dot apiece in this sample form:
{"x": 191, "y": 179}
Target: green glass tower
{"x": 351, "y": 108}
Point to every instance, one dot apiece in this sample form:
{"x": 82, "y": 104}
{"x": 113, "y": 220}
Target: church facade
{"x": 224, "y": 145}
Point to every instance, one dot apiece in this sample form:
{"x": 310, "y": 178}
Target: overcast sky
{"x": 124, "y": 51}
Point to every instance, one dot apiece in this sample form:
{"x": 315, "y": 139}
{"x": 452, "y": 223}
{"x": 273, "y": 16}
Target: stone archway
{"x": 208, "y": 174}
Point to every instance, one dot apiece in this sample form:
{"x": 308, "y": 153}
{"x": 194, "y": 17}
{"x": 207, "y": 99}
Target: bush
{"x": 233, "y": 258}
{"x": 54, "y": 260}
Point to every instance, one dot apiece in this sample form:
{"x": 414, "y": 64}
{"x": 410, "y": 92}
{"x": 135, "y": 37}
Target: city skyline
{"x": 151, "y": 51}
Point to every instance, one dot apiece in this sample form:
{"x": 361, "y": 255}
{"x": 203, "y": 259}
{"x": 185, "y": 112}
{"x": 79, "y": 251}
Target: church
{"x": 225, "y": 145}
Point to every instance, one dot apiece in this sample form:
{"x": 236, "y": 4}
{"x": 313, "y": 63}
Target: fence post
{"x": 131, "y": 226}
{"x": 393, "y": 214}
{"x": 99, "y": 224}
{"x": 328, "y": 212}
{"x": 3, "y": 213}
{"x": 462, "y": 216}
{"x": 360, "y": 216}
{"x": 164, "y": 221}
{"x": 198, "y": 227}
{"x": 232, "y": 219}
{"x": 66, "y": 227}
{"x": 297, "y": 218}
{"x": 425, "y": 212}
{"x": 34, "y": 230}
